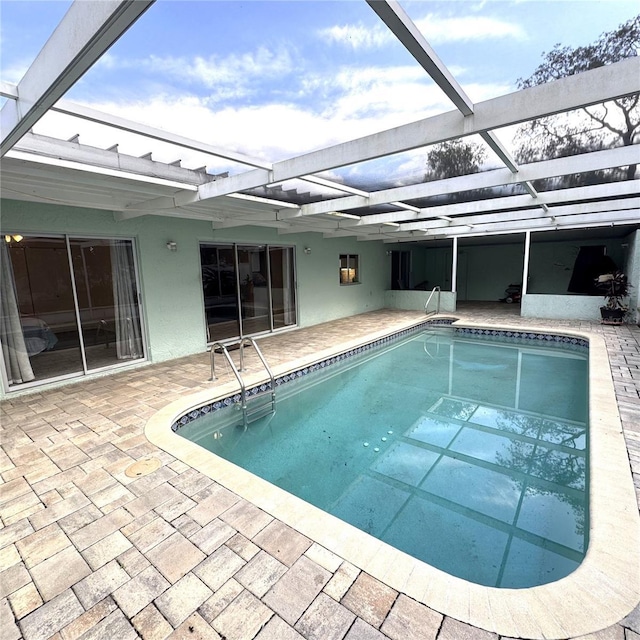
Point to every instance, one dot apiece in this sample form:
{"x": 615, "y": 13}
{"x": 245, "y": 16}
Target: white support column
{"x": 454, "y": 266}
{"x": 525, "y": 266}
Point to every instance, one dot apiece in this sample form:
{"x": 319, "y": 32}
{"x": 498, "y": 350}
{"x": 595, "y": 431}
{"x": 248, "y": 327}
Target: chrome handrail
{"x": 436, "y": 288}
{"x": 225, "y": 352}
{"x": 254, "y": 344}
{"x": 243, "y": 389}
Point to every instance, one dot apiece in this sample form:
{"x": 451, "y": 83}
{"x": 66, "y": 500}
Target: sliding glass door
{"x": 283, "y": 302}
{"x": 219, "y": 286}
{"x": 255, "y": 306}
{"x": 69, "y": 306}
{"x": 248, "y": 289}
{"x": 105, "y": 283}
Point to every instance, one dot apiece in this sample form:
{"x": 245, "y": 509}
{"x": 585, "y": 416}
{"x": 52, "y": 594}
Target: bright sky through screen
{"x": 276, "y": 79}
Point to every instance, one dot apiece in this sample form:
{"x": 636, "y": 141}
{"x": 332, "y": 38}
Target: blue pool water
{"x": 468, "y": 454}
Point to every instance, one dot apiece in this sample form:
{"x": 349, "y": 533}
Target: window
{"x": 348, "y": 269}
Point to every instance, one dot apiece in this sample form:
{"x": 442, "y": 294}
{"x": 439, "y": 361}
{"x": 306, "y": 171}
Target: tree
{"x": 615, "y": 123}
{"x": 454, "y": 158}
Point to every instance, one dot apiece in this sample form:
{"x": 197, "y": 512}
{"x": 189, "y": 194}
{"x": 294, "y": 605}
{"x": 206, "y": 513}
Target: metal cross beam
{"x": 87, "y": 30}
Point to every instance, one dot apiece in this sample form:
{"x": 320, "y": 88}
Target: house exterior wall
{"x": 170, "y": 283}
{"x": 574, "y": 307}
{"x": 415, "y": 300}
{"x": 550, "y": 270}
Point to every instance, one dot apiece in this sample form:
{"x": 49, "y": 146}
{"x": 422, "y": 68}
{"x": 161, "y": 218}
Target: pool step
{"x": 259, "y": 407}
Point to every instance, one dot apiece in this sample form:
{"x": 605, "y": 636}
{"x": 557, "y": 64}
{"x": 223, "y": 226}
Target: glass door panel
{"x": 254, "y": 289}
{"x": 105, "y": 280}
{"x": 219, "y": 284}
{"x": 39, "y": 301}
{"x": 283, "y": 302}
{"x": 247, "y": 289}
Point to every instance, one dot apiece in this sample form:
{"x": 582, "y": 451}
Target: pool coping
{"x": 598, "y": 594}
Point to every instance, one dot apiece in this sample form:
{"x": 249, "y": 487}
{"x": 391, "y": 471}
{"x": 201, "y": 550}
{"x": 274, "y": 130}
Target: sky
{"x": 273, "y": 80}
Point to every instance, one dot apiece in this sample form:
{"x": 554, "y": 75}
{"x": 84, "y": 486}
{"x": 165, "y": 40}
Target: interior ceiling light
{"x": 13, "y": 238}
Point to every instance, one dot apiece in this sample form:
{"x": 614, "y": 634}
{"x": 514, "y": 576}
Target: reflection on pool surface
{"x": 468, "y": 455}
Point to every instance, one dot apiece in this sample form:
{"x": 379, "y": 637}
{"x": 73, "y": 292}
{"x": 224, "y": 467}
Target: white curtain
{"x": 127, "y": 317}
{"x": 14, "y": 350}
{"x": 287, "y": 284}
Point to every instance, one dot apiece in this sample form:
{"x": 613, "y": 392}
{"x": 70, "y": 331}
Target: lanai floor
{"x": 88, "y": 552}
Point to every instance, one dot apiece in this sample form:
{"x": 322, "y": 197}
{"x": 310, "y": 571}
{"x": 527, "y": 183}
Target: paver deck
{"x": 88, "y": 552}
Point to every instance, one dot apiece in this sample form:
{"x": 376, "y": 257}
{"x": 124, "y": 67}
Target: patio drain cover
{"x": 142, "y": 467}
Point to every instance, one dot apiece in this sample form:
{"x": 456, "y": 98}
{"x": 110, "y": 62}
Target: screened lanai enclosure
{"x": 130, "y": 239}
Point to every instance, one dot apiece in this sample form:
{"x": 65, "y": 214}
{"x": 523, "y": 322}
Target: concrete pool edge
{"x": 602, "y": 591}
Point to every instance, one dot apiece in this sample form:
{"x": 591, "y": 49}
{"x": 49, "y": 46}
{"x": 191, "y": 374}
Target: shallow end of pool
{"x": 602, "y": 591}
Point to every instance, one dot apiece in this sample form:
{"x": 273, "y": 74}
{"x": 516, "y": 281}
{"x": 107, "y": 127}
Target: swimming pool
{"x": 599, "y": 593}
{"x": 466, "y": 451}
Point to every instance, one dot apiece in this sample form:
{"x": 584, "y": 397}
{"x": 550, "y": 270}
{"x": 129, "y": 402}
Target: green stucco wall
{"x": 170, "y": 281}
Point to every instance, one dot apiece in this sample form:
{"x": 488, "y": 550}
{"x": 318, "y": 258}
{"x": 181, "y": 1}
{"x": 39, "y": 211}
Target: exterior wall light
{"x": 172, "y": 246}
{"x": 307, "y": 250}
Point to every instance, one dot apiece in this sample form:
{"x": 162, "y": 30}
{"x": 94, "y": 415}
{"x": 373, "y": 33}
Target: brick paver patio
{"x": 88, "y": 552}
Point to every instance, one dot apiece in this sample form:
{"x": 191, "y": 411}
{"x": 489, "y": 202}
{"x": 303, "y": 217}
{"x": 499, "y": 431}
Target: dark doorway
{"x": 400, "y": 270}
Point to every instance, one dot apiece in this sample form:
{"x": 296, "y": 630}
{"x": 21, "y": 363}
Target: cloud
{"x": 439, "y": 30}
{"x": 385, "y": 98}
{"x": 268, "y": 103}
{"x": 436, "y": 29}
{"x": 357, "y": 36}
{"x": 234, "y": 76}
{"x": 215, "y": 70}
{"x": 14, "y": 73}
{"x": 331, "y": 108}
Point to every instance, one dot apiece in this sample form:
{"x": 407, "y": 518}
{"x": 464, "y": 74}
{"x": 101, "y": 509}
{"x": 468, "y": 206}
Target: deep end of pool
{"x": 599, "y": 593}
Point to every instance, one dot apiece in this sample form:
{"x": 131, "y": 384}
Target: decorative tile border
{"x": 497, "y": 334}
{"x": 524, "y": 335}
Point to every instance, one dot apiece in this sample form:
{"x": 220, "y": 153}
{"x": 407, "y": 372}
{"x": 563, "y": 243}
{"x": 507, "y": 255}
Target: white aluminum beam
{"x": 590, "y": 87}
{"x": 527, "y": 214}
{"x": 86, "y": 31}
{"x": 409, "y": 35}
{"x": 399, "y": 23}
{"x": 499, "y": 149}
{"x": 568, "y": 221}
{"x": 100, "y": 117}
{"x": 93, "y": 115}
{"x": 102, "y": 171}
{"x": 229, "y": 223}
{"x": 8, "y": 90}
{"x": 624, "y": 216}
{"x": 44, "y": 146}
{"x": 330, "y": 184}
{"x": 608, "y": 190}
{"x": 597, "y": 160}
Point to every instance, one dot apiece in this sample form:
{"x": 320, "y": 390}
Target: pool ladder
{"x": 426, "y": 304}
{"x": 259, "y": 408}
